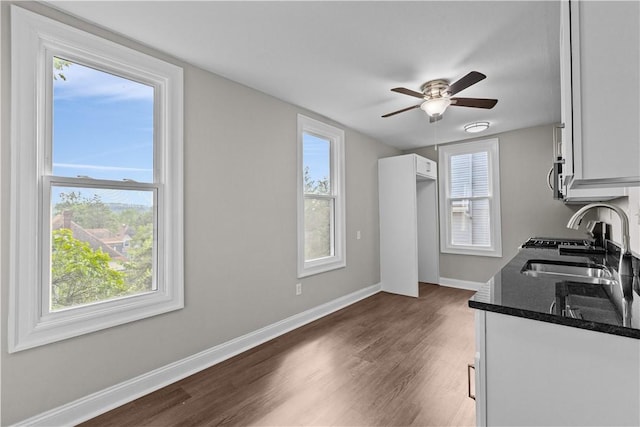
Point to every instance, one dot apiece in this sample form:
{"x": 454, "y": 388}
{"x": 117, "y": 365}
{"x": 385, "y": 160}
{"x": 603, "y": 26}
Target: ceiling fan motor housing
{"x": 435, "y": 89}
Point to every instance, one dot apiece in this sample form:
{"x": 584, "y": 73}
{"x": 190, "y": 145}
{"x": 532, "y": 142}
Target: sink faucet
{"x": 576, "y": 219}
{"x": 625, "y": 268}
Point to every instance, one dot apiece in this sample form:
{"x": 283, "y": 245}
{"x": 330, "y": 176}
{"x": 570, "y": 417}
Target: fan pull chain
{"x": 435, "y": 135}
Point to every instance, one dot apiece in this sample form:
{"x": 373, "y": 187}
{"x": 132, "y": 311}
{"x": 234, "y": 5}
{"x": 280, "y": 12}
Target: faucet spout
{"x": 576, "y": 219}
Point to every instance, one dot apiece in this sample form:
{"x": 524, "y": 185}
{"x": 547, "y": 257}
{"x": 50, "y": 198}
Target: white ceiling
{"x": 340, "y": 59}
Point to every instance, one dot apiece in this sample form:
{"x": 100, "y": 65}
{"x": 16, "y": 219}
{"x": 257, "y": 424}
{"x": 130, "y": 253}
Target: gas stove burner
{"x": 553, "y": 243}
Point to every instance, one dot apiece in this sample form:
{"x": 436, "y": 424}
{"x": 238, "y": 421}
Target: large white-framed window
{"x": 470, "y": 198}
{"x": 321, "y": 198}
{"x": 96, "y": 183}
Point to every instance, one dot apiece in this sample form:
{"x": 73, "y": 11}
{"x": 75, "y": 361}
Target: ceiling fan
{"x": 437, "y": 96}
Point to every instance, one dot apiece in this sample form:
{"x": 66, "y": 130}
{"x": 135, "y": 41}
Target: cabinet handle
{"x": 557, "y": 141}
{"x": 469, "y": 368}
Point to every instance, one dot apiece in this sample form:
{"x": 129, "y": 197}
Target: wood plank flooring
{"x": 387, "y": 360}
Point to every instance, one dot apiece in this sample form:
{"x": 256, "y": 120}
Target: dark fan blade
{"x": 407, "y": 92}
{"x": 468, "y": 80}
{"x": 433, "y": 119}
{"x": 474, "y": 102}
{"x": 402, "y": 111}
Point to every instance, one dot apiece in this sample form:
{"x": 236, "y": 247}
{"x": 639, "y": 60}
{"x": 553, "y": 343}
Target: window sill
{"x": 317, "y": 267}
{"x": 473, "y": 252}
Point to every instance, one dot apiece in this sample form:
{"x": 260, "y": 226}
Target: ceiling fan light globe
{"x": 435, "y": 106}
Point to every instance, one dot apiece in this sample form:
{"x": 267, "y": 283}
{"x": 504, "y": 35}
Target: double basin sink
{"x": 580, "y": 272}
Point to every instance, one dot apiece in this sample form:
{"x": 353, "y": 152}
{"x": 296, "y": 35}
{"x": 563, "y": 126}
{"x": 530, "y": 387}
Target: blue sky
{"x": 316, "y": 155}
{"x": 103, "y": 129}
{"x": 103, "y": 126}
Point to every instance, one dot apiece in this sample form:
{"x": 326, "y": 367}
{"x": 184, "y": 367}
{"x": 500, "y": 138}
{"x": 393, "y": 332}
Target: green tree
{"x": 135, "y": 218}
{"x": 312, "y": 186}
{"x": 317, "y": 218}
{"x": 87, "y": 212}
{"x": 58, "y": 66}
{"x": 139, "y": 268}
{"x": 79, "y": 274}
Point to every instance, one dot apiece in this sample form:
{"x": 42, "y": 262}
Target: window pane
{"x": 102, "y": 124}
{"x": 102, "y": 245}
{"x": 470, "y": 175}
{"x": 480, "y": 174}
{"x": 316, "y": 157}
{"x": 470, "y": 225}
{"x": 318, "y": 221}
{"x": 481, "y": 224}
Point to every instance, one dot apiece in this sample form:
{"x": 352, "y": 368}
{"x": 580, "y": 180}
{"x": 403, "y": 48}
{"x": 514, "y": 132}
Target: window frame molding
{"x": 336, "y": 137}
{"x": 491, "y": 146}
{"x": 35, "y": 39}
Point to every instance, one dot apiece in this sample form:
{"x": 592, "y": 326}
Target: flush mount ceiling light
{"x": 476, "y": 127}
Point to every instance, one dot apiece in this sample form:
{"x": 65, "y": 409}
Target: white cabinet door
{"x": 545, "y": 374}
{"x": 605, "y": 64}
{"x": 398, "y": 222}
{"x": 564, "y": 144}
{"x": 480, "y": 370}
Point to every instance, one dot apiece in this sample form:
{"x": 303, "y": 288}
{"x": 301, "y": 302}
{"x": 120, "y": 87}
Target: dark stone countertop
{"x": 594, "y": 307}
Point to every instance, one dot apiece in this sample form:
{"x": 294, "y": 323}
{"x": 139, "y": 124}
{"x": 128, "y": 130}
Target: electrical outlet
{"x": 298, "y": 288}
{"x": 358, "y": 235}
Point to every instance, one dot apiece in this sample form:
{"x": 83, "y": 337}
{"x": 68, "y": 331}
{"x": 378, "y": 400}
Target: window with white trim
{"x": 321, "y": 206}
{"x": 470, "y": 198}
{"x": 96, "y": 236}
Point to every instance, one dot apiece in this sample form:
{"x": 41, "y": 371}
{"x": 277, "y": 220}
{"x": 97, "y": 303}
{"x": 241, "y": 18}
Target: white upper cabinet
{"x": 600, "y": 65}
{"x": 425, "y": 168}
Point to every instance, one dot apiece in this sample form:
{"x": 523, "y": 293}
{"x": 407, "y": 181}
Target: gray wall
{"x": 240, "y": 241}
{"x": 631, "y": 205}
{"x": 527, "y": 206}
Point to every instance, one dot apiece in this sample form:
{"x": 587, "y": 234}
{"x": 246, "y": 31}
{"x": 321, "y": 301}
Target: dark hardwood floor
{"x": 385, "y": 361}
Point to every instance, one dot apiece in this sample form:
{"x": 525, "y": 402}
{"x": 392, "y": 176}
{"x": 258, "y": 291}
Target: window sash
{"x": 45, "y": 312}
{"x": 332, "y": 227}
{"x": 333, "y": 181}
{"x": 470, "y": 176}
{"x": 53, "y": 49}
{"x": 473, "y": 230}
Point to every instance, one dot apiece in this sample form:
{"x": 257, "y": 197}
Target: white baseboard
{"x": 460, "y": 284}
{"x": 102, "y": 401}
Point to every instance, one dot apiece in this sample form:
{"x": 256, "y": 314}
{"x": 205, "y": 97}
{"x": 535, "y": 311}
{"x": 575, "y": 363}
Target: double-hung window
{"x": 321, "y": 211}
{"x": 470, "y": 198}
{"x": 96, "y": 236}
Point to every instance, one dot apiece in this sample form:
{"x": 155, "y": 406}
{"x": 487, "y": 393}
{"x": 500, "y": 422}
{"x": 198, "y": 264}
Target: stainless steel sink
{"x": 588, "y": 273}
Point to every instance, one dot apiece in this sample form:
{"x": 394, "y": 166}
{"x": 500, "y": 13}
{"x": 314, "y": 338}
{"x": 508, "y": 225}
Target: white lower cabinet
{"x": 536, "y": 373}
